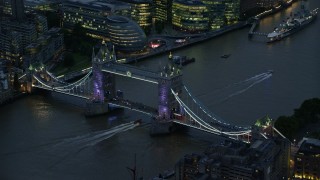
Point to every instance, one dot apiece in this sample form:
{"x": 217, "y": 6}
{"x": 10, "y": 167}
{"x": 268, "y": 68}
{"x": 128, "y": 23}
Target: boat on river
{"x": 225, "y": 56}
{"x": 182, "y": 60}
{"x": 293, "y": 24}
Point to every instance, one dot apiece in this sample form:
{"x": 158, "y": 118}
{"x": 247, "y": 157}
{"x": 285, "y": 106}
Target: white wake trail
{"x": 109, "y": 136}
{"x": 246, "y": 82}
{"x": 247, "y": 88}
{"x": 92, "y": 135}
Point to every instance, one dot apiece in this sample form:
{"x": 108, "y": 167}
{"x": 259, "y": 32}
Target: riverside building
{"x": 126, "y": 35}
{"x": 92, "y": 14}
{"x": 48, "y": 46}
{"x": 190, "y": 16}
{"x": 14, "y": 37}
{"x": 307, "y": 159}
{"x": 216, "y": 10}
{"x": 141, "y": 12}
{"x": 163, "y": 10}
{"x": 265, "y": 158}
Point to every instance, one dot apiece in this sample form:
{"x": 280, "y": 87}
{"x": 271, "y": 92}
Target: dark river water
{"x": 42, "y": 138}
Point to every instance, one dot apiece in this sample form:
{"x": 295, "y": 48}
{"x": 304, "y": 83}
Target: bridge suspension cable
{"x": 205, "y": 124}
{"x": 72, "y": 85}
{"x": 207, "y": 112}
{"x": 55, "y": 78}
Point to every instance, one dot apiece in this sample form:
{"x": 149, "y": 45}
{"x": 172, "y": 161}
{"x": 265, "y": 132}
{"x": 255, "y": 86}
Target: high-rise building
{"x": 18, "y": 10}
{"x": 163, "y": 10}
{"x": 216, "y": 9}
{"x": 141, "y": 12}
{"x": 15, "y": 36}
{"x": 222, "y": 12}
{"x": 232, "y": 11}
{"x": 307, "y": 159}
{"x": 191, "y": 16}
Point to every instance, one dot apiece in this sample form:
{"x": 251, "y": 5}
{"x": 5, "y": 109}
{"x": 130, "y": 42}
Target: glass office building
{"x": 191, "y": 16}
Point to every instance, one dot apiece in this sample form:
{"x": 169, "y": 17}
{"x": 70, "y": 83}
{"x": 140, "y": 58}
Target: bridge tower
{"x": 170, "y": 78}
{"x": 103, "y": 83}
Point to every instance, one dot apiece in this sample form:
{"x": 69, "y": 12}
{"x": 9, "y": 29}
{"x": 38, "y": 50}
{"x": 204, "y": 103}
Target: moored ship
{"x": 292, "y": 25}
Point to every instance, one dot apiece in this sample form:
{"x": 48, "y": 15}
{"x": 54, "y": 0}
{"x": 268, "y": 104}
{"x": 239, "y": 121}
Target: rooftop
{"x": 189, "y": 2}
{"x": 309, "y": 145}
{"x": 98, "y": 4}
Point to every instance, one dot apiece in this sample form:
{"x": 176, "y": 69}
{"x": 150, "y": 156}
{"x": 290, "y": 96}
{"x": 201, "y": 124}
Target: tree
{"x": 68, "y": 60}
{"x": 288, "y": 126}
{"x": 79, "y": 31}
{"x": 309, "y": 110}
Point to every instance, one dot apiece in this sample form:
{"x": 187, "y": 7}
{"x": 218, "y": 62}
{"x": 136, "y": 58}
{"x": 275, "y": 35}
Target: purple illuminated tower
{"x": 103, "y": 82}
{"x": 98, "y": 79}
{"x": 170, "y": 79}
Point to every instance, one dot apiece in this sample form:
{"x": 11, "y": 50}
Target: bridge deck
{"x": 132, "y": 72}
{"x": 134, "y": 106}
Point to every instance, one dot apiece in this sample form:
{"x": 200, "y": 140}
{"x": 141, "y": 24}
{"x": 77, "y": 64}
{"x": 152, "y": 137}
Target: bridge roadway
{"x": 132, "y": 72}
{"x": 134, "y": 106}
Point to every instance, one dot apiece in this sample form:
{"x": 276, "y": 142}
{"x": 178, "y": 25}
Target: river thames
{"x": 42, "y": 138}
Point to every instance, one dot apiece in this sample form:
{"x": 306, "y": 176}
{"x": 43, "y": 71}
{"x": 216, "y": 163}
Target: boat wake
{"x": 72, "y": 146}
{"x": 93, "y": 138}
{"x": 224, "y": 94}
{"x": 247, "y": 88}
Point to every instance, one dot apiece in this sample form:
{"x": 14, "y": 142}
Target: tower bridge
{"x": 176, "y": 104}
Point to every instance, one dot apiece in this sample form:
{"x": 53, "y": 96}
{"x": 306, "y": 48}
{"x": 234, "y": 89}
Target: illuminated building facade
{"x": 125, "y": 34}
{"x": 269, "y": 3}
{"x": 7, "y": 7}
{"x": 141, "y": 12}
{"x": 232, "y": 11}
{"x": 92, "y": 15}
{"x": 307, "y": 160}
{"x": 41, "y": 5}
{"x": 190, "y": 16}
{"x": 222, "y": 12}
{"x": 163, "y": 10}
{"x": 216, "y": 10}
{"x": 15, "y": 37}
